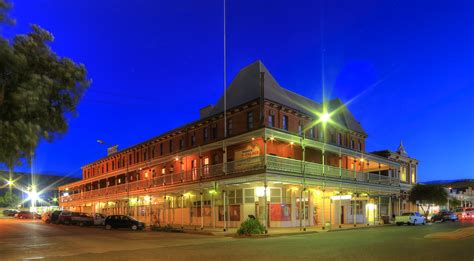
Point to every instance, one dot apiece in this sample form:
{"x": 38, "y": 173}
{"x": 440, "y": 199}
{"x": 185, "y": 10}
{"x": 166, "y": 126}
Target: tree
{"x": 427, "y": 195}
{"x": 39, "y": 92}
{"x": 9, "y": 200}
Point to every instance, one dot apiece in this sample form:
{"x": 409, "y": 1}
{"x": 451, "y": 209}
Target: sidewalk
{"x": 283, "y": 231}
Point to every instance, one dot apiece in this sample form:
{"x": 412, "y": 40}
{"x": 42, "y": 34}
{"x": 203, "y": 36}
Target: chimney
{"x": 204, "y": 112}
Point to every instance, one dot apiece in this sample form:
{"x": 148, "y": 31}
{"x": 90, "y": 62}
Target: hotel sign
{"x": 251, "y": 150}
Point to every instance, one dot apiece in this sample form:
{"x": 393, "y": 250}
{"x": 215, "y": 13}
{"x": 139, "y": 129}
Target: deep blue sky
{"x": 155, "y": 63}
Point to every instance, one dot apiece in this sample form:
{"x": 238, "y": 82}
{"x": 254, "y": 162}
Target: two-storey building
{"x": 275, "y": 155}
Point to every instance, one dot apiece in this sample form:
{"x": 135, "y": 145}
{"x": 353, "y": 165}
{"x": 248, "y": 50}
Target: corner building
{"x": 276, "y": 161}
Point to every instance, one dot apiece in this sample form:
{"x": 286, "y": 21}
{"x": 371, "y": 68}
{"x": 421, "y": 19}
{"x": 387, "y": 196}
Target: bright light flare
{"x": 325, "y": 117}
{"x": 33, "y": 196}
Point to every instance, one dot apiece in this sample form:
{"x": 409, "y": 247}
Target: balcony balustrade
{"x": 241, "y": 167}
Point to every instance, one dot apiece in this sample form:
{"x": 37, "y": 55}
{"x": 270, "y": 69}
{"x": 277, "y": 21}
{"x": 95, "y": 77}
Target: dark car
{"x": 10, "y": 212}
{"x": 444, "y": 216}
{"x": 54, "y": 217}
{"x": 121, "y": 221}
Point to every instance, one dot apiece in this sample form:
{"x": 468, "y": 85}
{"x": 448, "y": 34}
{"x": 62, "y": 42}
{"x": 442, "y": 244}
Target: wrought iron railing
{"x": 253, "y": 164}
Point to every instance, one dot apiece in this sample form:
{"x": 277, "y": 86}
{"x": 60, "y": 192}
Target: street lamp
{"x": 325, "y": 117}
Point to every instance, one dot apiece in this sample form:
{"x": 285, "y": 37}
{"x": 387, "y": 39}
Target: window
{"x": 285, "y": 122}
{"x": 161, "y": 149}
{"x": 352, "y": 144}
{"x": 235, "y": 196}
{"x": 171, "y": 146}
{"x": 137, "y": 157}
{"x": 321, "y": 135}
{"x": 163, "y": 170}
{"x": 360, "y": 146}
{"x": 171, "y": 170}
{"x": 194, "y": 170}
{"x": 229, "y": 127}
{"x": 249, "y": 196}
{"x": 300, "y": 129}
{"x": 129, "y": 159}
{"x": 249, "y": 120}
{"x": 193, "y": 139}
{"x": 275, "y": 195}
{"x": 107, "y": 167}
{"x": 413, "y": 175}
{"x": 271, "y": 120}
{"x": 205, "y": 134}
{"x": 113, "y": 165}
{"x": 339, "y": 139}
{"x": 153, "y": 152}
{"x": 206, "y": 166}
{"x": 311, "y": 132}
{"x": 215, "y": 159}
{"x": 214, "y": 131}
{"x": 144, "y": 155}
{"x": 181, "y": 144}
{"x": 233, "y": 215}
{"x": 403, "y": 174}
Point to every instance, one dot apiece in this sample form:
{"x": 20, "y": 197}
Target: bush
{"x": 251, "y": 226}
{"x": 167, "y": 228}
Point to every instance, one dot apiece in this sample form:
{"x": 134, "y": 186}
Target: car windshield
{"x": 131, "y": 218}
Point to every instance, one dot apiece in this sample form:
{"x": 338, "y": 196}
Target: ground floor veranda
{"x": 225, "y": 204}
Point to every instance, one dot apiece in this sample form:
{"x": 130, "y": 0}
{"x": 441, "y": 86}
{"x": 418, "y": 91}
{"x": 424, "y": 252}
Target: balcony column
{"x": 354, "y": 211}
{"x": 181, "y": 169}
{"x": 399, "y": 205}
{"x": 322, "y": 209}
{"x": 224, "y": 156}
{"x": 380, "y": 174}
{"x": 340, "y": 164}
{"x": 355, "y": 171}
{"x": 213, "y": 211}
{"x": 264, "y": 153}
{"x": 202, "y": 214}
{"x": 182, "y": 210}
{"x": 265, "y": 211}
{"x": 389, "y": 208}
{"x": 323, "y": 158}
{"x": 378, "y": 209}
{"x": 224, "y": 203}
{"x": 390, "y": 176}
{"x": 201, "y": 163}
{"x": 164, "y": 210}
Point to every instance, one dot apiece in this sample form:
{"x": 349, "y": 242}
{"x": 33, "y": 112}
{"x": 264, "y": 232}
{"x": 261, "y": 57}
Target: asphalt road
{"x": 28, "y": 240}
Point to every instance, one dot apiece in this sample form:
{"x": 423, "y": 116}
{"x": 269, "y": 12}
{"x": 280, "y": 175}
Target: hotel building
{"x": 276, "y": 155}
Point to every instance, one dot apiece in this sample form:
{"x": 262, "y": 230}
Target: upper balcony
{"x": 281, "y": 166}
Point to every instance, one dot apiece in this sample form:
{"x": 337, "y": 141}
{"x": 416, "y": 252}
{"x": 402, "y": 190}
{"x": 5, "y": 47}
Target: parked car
{"x": 121, "y": 221}
{"x": 65, "y": 217}
{"x": 81, "y": 219}
{"x": 10, "y": 212}
{"x": 27, "y": 215}
{"x": 99, "y": 219}
{"x": 465, "y": 213}
{"x": 410, "y": 218}
{"x": 54, "y": 217}
{"x": 444, "y": 216}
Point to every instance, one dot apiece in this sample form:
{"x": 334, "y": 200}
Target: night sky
{"x": 154, "y": 64}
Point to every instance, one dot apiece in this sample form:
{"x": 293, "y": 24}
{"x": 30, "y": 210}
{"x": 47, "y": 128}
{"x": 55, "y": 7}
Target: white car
{"x": 410, "y": 218}
{"x": 99, "y": 219}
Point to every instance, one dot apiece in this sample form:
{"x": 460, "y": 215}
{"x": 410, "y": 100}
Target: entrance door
{"x": 342, "y": 214}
